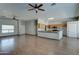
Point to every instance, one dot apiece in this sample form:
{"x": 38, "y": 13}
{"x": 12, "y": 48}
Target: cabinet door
{"x": 72, "y": 29}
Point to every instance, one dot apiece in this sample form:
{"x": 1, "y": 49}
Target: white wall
{"x": 19, "y": 26}
{"x": 30, "y": 27}
{"x": 8, "y": 21}
{"x": 60, "y": 10}
{"x": 78, "y": 29}
{"x": 22, "y": 27}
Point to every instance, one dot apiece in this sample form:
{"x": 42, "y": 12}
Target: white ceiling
{"x": 60, "y": 10}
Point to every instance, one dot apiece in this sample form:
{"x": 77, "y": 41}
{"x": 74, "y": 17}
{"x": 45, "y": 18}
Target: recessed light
{"x": 50, "y": 18}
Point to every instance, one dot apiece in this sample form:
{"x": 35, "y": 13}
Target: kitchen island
{"x": 51, "y": 34}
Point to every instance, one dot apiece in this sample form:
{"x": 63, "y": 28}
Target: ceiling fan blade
{"x": 53, "y": 4}
{"x": 30, "y": 9}
{"x": 41, "y": 9}
{"x": 35, "y": 5}
{"x": 40, "y": 5}
{"x": 31, "y": 5}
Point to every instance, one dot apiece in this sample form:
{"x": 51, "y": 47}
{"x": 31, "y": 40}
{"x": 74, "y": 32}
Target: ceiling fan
{"x": 36, "y": 7}
{"x": 53, "y": 4}
{"x": 14, "y": 17}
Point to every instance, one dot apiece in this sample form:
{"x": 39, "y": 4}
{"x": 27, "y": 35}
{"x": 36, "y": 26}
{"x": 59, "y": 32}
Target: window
{"x": 7, "y": 28}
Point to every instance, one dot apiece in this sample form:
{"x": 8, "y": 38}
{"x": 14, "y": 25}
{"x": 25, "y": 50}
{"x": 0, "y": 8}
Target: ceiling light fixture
{"x": 50, "y": 18}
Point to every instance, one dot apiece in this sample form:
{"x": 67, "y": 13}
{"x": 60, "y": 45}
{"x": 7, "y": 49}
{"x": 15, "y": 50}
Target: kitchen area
{"x": 57, "y": 30}
{"x": 52, "y": 30}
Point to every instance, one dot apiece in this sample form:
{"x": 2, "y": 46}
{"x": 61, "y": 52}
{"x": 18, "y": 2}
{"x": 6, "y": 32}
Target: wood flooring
{"x": 33, "y": 45}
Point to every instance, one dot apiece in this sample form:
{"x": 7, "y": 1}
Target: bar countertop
{"x": 50, "y": 31}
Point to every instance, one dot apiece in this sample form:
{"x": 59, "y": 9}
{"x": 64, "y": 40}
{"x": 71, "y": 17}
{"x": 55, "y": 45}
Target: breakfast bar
{"x": 51, "y": 34}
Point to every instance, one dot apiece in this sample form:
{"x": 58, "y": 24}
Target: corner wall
{"x": 30, "y": 27}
